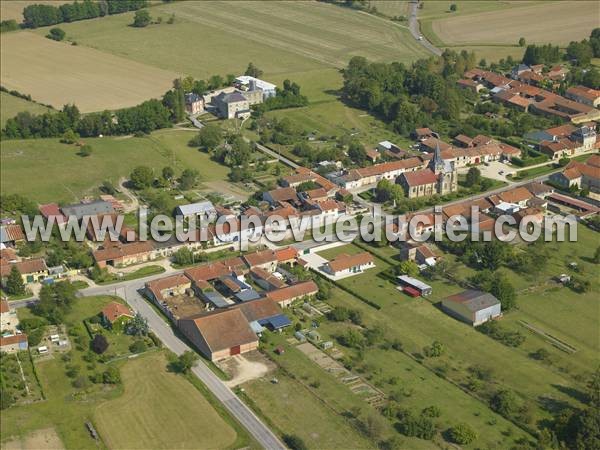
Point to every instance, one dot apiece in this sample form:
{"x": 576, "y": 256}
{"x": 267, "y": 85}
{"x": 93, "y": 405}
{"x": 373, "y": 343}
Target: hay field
{"x": 57, "y": 73}
{"x": 160, "y": 410}
{"x": 557, "y": 22}
{"x": 282, "y": 38}
{"x": 10, "y": 106}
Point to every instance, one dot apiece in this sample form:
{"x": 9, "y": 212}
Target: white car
{"x": 420, "y": 38}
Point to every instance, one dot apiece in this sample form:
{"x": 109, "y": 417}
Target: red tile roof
{"x": 420, "y": 177}
{"x": 4, "y": 308}
{"x": 157, "y": 286}
{"x": 14, "y": 339}
{"x": 286, "y": 254}
{"x": 343, "y": 262}
{"x": 114, "y": 311}
{"x": 294, "y": 291}
{"x": 25, "y": 267}
{"x": 13, "y": 232}
{"x": 259, "y": 258}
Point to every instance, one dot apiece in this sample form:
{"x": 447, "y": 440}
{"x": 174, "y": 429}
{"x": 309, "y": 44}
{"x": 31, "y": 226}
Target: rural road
{"x": 129, "y": 291}
{"x": 415, "y": 30}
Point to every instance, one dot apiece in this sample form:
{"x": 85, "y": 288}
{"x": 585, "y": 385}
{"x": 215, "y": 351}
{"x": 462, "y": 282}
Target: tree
{"x": 522, "y": 42}
{"x": 14, "y": 283}
{"x": 462, "y": 434}
{"x": 111, "y": 376}
{"x": 185, "y": 362}
{"x": 453, "y": 7}
{"x": 56, "y": 34}
{"x": 505, "y": 403}
{"x": 168, "y": 172}
{"x": 505, "y": 292}
{"x": 294, "y": 442}
{"x": 253, "y": 71}
{"x": 189, "y": 179}
{"x": 409, "y": 268}
{"x": 208, "y": 138}
{"x": 138, "y": 346}
{"x": 142, "y": 177}
{"x": 141, "y": 19}
{"x": 562, "y": 162}
{"x": 184, "y": 257}
{"x": 357, "y": 152}
{"x": 138, "y": 326}
{"x": 99, "y": 344}
{"x": 473, "y": 176}
{"x": 55, "y": 300}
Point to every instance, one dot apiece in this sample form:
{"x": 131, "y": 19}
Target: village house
{"x": 262, "y": 313}
{"x": 265, "y": 279}
{"x": 420, "y": 134}
{"x": 31, "y": 270}
{"x": 516, "y": 196}
{"x": 248, "y": 83}
{"x": 285, "y": 194}
{"x": 581, "y": 175}
{"x": 418, "y": 252}
{"x": 51, "y": 211}
{"x": 11, "y": 234}
{"x": 264, "y": 259}
{"x": 233, "y": 105}
{"x": 13, "y": 343}
{"x": 472, "y": 306}
{"x": 345, "y": 265}
{"x": 287, "y": 295}
{"x": 194, "y": 103}
{"x": 116, "y": 315}
{"x": 371, "y": 175}
{"x": 472, "y": 85}
{"x": 585, "y": 95}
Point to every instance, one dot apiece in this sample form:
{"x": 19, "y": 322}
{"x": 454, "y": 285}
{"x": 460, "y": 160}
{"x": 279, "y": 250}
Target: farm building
{"x": 201, "y": 210}
{"x": 94, "y": 208}
{"x": 472, "y": 306}
{"x": 344, "y": 265}
{"x": 264, "y": 312}
{"x": 414, "y": 287}
{"x": 118, "y": 254}
{"x": 11, "y": 234}
{"x": 232, "y": 105}
{"x": 31, "y": 270}
{"x": 220, "y": 334}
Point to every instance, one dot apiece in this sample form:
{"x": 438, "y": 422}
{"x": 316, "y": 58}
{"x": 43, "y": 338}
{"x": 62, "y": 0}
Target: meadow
{"x": 57, "y": 173}
{"x": 417, "y": 323}
{"x": 57, "y": 73}
{"x": 160, "y": 409}
{"x": 10, "y": 106}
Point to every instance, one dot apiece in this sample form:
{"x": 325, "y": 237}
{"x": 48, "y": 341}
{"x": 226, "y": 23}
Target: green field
{"x": 56, "y": 173}
{"x": 67, "y": 408}
{"x": 295, "y": 410}
{"x": 160, "y": 409}
{"x": 422, "y": 323}
{"x": 10, "y": 106}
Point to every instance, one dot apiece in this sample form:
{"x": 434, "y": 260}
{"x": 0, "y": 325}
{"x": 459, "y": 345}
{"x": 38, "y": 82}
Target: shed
{"x": 419, "y": 286}
{"x": 472, "y": 306}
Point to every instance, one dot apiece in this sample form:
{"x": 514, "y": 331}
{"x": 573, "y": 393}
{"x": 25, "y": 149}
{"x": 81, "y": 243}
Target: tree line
{"x": 41, "y": 15}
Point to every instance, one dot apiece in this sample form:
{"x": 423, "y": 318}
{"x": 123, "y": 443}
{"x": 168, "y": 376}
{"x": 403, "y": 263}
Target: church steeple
{"x": 438, "y": 162}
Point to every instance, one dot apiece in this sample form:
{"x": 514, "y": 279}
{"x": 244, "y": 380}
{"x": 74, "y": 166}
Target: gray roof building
{"x": 88, "y": 209}
{"x": 472, "y": 306}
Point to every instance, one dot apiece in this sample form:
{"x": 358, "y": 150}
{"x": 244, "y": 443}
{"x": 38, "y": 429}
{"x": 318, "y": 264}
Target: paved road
{"x": 195, "y": 121}
{"x": 415, "y": 30}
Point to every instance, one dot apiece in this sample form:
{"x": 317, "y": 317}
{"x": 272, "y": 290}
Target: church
{"x": 440, "y": 177}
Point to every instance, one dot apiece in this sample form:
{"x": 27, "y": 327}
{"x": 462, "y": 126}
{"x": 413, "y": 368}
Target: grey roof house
{"x": 94, "y": 208}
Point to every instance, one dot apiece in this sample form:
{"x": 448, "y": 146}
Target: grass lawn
{"x": 139, "y": 273}
{"x": 10, "y": 106}
{"x": 422, "y": 323}
{"x": 56, "y": 173}
{"x": 159, "y": 409}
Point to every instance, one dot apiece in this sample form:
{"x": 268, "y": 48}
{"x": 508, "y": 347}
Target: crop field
{"x": 56, "y": 73}
{"x": 559, "y": 23}
{"x": 160, "y": 409}
{"x": 282, "y": 38}
{"x": 57, "y": 173}
{"x": 422, "y": 323}
{"x": 10, "y": 106}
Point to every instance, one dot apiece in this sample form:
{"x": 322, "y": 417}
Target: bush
{"x": 56, "y": 34}
{"x": 421, "y": 427}
{"x": 462, "y": 434}
{"x": 138, "y": 346}
{"x": 99, "y": 344}
{"x": 111, "y": 376}
{"x": 294, "y": 442}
